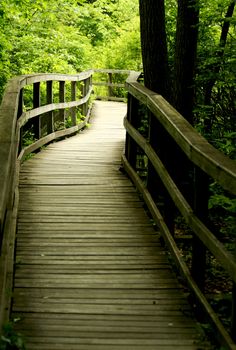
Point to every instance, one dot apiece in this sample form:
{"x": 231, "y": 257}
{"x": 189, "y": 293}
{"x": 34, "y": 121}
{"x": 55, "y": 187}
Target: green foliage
{"x": 216, "y": 65}
{"x": 79, "y": 118}
{"x": 125, "y": 52}
{"x": 10, "y": 339}
{"x": 28, "y": 137}
{"x": 222, "y": 208}
{"x": 227, "y": 144}
{"x": 67, "y": 36}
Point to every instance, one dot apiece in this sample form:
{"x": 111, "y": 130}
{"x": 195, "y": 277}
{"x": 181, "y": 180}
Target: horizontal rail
{"x": 26, "y": 116}
{"x": 113, "y": 71}
{"x": 108, "y": 84}
{"x": 35, "y": 78}
{"x": 215, "y": 246}
{"x": 179, "y": 260}
{"x": 197, "y": 149}
{"x": 170, "y": 136}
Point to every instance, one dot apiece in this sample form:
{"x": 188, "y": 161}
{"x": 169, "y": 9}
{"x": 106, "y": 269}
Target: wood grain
{"x": 90, "y": 271}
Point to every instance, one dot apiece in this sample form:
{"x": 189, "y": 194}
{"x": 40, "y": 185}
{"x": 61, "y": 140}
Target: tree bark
{"x": 185, "y": 57}
{"x": 154, "y": 46}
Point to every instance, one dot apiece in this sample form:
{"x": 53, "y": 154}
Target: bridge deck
{"x": 90, "y": 270}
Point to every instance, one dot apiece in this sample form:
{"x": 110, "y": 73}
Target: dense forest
{"x": 69, "y": 36}
{"x": 186, "y": 49}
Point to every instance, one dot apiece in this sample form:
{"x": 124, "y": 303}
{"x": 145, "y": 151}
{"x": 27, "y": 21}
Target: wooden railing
{"x": 112, "y": 80}
{"x": 51, "y": 106}
{"x": 35, "y": 110}
{"x": 176, "y": 165}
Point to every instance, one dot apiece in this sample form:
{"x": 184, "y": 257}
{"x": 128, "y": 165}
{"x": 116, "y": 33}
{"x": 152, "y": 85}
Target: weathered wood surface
{"x": 206, "y": 236}
{"x": 197, "y": 149}
{"x": 90, "y": 270}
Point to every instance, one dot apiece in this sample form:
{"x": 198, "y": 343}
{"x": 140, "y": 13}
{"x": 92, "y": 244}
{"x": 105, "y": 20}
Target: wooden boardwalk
{"x": 90, "y": 271}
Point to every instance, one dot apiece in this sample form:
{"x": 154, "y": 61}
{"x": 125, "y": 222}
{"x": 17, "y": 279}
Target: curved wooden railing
{"x": 34, "y": 103}
{"x": 48, "y": 106}
{"x": 179, "y": 163}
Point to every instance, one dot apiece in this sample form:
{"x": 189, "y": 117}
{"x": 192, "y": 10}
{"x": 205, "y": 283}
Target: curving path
{"x": 90, "y": 271}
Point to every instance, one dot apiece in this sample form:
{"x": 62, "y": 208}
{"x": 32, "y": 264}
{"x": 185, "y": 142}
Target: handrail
{"x": 206, "y": 160}
{"x": 168, "y": 129}
{"x": 197, "y": 149}
{"x": 12, "y": 104}
{"x": 13, "y": 119}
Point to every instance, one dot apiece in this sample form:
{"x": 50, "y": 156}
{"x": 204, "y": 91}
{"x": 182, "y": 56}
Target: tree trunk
{"x": 215, "y": 68}
{"x": 185, "y": 57}
{"x": 154, "y": 46}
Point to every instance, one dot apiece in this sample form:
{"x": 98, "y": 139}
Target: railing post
{"x": 200, "y": 205}
{"x": 83, "y": 94}
{"x": 73, "y": 98}
{"x": 130, "y": 144}
{"x": 87, "y": 84}
{"x": 19, "y": 113}
{"x": 20, "y": 103}
{"x": 61, "y": 100}
{"x": 50, "y": 121}
{"x": 84, "y": 90}
{"x": 152, "y": 137}
{"x": 158, "y": 139}
{"x": 110, "y": 91}
{"x": 36, "y": 103}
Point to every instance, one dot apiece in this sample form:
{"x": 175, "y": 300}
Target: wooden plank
{"x": 114, "y": 330}
{"x": 118, "y": 294}
{"x": 105, "y": 341}
{"x": 59, "y": 346}
{"x": 89, "y": 234}
{"x": 97, "y": 266}
{"x": 98, "y": 251}
{"x": 112, "y": 238}
{"x": 97, "y": 262}
{"x": 142, "y": 305}
{"x": 86, "y": 244}
{"x": 105, "y": 334}
{"x": 98, "y": 309}
{"x": 82, "y": 226}
{"x": 115, "y": 319}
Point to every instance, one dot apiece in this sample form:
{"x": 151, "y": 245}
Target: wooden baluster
{"x": 153, "y": 136}
{"x": 83, "y": 94}
{"x": 130, "y": 145}
{"x": 73, "y": 98}
{"x": 200, "y": 206}
{"x": 50, "y": 121}
{"x": 61, "y": 100}
{"x": 36, "y": 103}
{"x": 20, "y": 103}
{"x": 110, "y": 91}
{"x": 160, "y": 142}
{"x": 87, "y": 82}
{"x": 19, "y": 113}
